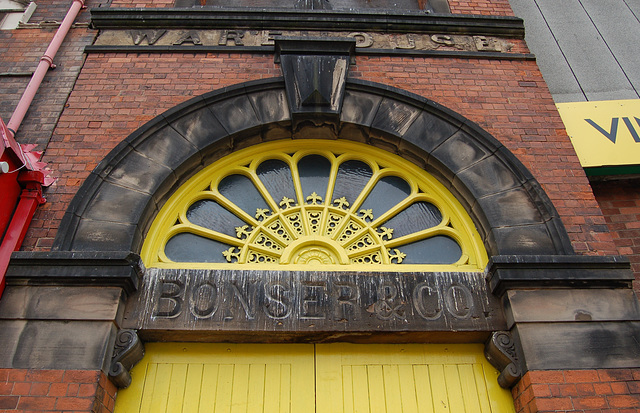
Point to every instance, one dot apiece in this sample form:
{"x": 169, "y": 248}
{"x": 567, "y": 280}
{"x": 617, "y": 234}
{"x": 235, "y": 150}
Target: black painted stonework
{"x": 301, "y": 304}
{"x": 508, "y": 272}
{"x": 315, "y": 72}
{"x": 519, "y": 218}
{"x": 96, "y": 268}
{"x": 370, "y": 20}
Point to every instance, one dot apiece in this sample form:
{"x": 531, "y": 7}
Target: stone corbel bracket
{"x": 127, "y": 351}
{"x": 315, "y": 74}
{"x": 500, "y": 351}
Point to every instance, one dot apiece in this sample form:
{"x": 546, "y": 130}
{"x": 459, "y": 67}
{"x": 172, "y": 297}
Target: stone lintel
{"x": 72, "y": 268}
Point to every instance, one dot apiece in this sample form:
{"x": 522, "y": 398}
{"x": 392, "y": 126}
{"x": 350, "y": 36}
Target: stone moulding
{"x": 128, "y": 350}
{"x": 209, "y": 18}
{"x": 500, "y": 351}
{"x": 101, "y": 268}
{"x": 506, "y": 272}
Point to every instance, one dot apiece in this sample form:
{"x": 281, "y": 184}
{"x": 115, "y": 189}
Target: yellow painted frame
{"x": 455, "y": 224}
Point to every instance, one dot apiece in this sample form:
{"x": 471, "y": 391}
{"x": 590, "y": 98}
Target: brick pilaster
{"x": 606, "y": 390}
{"x": 56, "y": 391}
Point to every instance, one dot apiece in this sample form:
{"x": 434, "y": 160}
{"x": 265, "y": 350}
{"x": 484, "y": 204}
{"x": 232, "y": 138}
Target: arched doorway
{"x": 491, "y": 203}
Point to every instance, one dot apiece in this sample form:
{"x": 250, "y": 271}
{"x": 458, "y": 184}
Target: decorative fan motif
{"x": 314, "y": 233}
{"x": 311, "y": 206}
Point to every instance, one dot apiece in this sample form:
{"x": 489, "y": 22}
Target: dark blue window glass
{"x": 276, "y": 177}
{"x": 436, "y": 250}
{"x": 209, "y": 214}
{"x": 185, "y": 247}
{"x": 387, "y": 193}
{"x": 418, "y": 216}
{"x": 351, "y": 180}
{"x": 240, "y": 190}
{"x": 314, "y": 173}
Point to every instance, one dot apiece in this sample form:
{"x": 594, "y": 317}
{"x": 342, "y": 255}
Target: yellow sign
{"x": 604, "y": 133}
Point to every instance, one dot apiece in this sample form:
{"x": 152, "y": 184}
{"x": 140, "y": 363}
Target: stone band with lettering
{"x": 297, "y": 301}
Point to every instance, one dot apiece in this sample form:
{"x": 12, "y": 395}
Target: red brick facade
{"x": 620, "y": 204}
{"x": 483, "y": 7}
{"x": 613, "y": 390}
{"x": 77, "y": 121}
{"x": 55, "y": 391}
{"x": 117, "y": 93}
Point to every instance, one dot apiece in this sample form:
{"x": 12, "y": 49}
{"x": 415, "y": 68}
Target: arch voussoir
{"x": 507, "y": 204}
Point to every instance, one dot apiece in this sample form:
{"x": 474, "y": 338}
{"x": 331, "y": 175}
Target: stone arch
{"x": 117, "y": 203}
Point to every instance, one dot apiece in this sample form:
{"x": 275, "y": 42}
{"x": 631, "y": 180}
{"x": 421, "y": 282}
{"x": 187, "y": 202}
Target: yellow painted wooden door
{"x": 407, "y": 378}
{"x": 215, "y": 378}
{"x": 325, "y": 378}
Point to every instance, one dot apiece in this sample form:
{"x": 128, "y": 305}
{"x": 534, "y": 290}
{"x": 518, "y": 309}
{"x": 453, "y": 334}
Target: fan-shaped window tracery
{"x": 316, "y": 203}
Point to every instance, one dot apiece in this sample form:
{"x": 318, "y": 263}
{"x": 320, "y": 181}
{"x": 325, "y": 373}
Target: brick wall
{"x": 56, "y": 391}
{"x": 116, "y": 93}
{"x": 620, "y": 204}
{"x": 483, "y": 7}
{"x": 21, "y": 50}
{"x": 611, "y": 390}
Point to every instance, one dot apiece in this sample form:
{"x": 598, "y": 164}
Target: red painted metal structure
{"x": 21, "y": 186}
{"x": 21, "y": 190}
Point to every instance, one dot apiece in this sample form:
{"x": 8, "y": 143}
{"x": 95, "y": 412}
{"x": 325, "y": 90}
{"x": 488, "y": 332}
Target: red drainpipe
{"x": 31, "y": 177}
{"x": 46, "y": 62}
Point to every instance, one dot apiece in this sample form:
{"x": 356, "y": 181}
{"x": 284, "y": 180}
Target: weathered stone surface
{"x": 568, "y": 305}
{"x": 395, "y": 117}
{"x": 359, "y": 108}
{"x": 460, "y": 151}
{"x": 199, "y": 127}
{"x": 358, "y": 111}
{"x": 315, "y": 73}
{"x": 531, "y": 239}
{"x": 270, "y": 105}
{"x": 235, "y": 114}
{"x": 60, "y": 303}
{"x": 299, "y": 303}
{"x": 488, "y": 176}
{"x": 512, "y": 207}
{"x": 137, "y": 172}
{"x": 93, "y": 235}
{"x": 428, "y": 131}
{"x": 500, "y": 350}
{"x": 128, "y": 351}
{"x": 81, "y": 345}
{"x": 118, "y": 204}
{"x": 566, "y": 346}
{"x": 373, "y": 20}
{"x": 10, "y": 336}
{"x": 169, "y": 148}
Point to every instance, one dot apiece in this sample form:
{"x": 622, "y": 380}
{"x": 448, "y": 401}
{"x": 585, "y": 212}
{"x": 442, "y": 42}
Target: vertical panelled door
{"x": 322, "y": 378}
